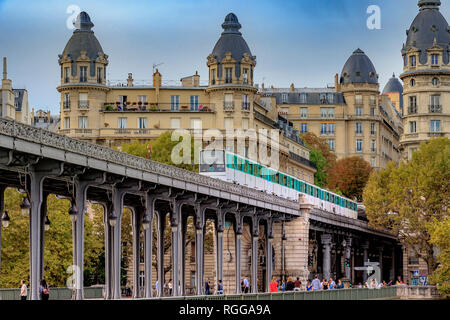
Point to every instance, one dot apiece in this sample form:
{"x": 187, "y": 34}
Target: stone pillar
{"x": 255, "y": 236}
{"x": 326, "y": 241}
{"x": 175, "y": 225}
{"x": 137, "y": 216}
{"x": 269, "y": 251}
{"x": 199, "y": 247}
{"x": 219, "y": 235}
{"x": 182, "y": 255}
{"x": 36, "y": 226}
{"x": 237, "y": 243}
{"x": 2, "y": 206}
{"x": 392, "y": 271}
{"x": 116, "y": 253}
{"x": 365, "y": 247}
{"x": 348, "y": 253}
{"x": 380, "y": 261}
{"x": 107, "y": 210}
{"x": 148, "y": 245}
{"x": 43, "y": 215}
{"x": 161, "y": 225}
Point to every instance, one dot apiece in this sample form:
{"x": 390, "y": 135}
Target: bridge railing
{"x": 339, "y": 294}
{"x": 55, "y": 293}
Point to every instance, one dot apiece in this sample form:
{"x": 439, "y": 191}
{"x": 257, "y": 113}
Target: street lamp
{"x": 112, "y": 220}
{"x": 25, "y": 206}
{"x": 46, "y": 223}
{"x": 5, "y": 219}
{"x": 73, "y": 212}
{"x": 146, "y": 223}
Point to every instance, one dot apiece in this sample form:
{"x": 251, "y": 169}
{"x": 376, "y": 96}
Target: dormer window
{"x": 434, "y": 59}
{"x": 302, "y": 97}
{"x": 213, "y": 76}
{"x": 66, "y": 74}
{"x": 412, "y": 61}
{"x": 99, "y": 75}
{"x": 412, "y": 82}
{"x": 228, "y": 75}
{"x": 83, "y": 74}
{"x": 284, "y": 97}
{"x": 245, "y": 76}
{"x": 435, "y": 82}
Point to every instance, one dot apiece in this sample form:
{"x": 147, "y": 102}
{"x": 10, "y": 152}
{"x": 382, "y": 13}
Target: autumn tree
{"x": 407, "y": 198}
{"x": 321, "y": 155}
{"x": 349, "y": 176}
{"x": 440, "y": 237}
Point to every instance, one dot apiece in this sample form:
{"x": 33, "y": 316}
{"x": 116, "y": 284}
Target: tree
{"x": 407, "y": 198}
{"x": 321, "y": 155}
{"x": 349, "y": 176}
{"x": 440, "y": 237}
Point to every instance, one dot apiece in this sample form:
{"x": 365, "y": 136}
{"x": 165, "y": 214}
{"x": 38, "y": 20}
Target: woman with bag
{"x": 44, "y": 290}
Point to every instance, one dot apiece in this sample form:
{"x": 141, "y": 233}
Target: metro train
{"x": 230, "y": 167}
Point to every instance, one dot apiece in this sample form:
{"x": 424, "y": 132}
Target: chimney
{"x": 336, "y": 82}
{"x": 130, "y": 80}
{"x": 157, "y": 79}
{"x": 292, "y": 88}
{"x": 196, "y": 79}
{"x": 262, "y": 86}
{"x": 5, "y": 71}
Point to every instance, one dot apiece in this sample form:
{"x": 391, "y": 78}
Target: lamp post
{"x": 46, "y": 223}
{"x": 73, "y": 212}
{"x": 25, "y": 206}
{"x": 5, "y": 219}
{"x": 146, "y": 222}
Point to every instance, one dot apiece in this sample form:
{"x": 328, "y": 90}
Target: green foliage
{"x": 407, "y": 198}
{"x": 136, "y": 148}
{"x": 320, "y": 176}
{"x": 57, "y": 248}
{"x": 440, "y": 237}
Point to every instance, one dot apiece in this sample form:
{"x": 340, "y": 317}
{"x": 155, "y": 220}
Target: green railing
{"x": 339, "y": 294}
{"x": 55, "y": 293}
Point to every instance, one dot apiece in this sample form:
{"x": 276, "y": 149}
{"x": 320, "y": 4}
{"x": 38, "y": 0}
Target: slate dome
{"x": 359, "y": 69}
{"x": 393, "y": 85}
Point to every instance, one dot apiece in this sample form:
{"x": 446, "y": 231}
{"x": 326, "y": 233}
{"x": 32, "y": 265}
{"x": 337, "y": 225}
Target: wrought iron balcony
{"x": 246, "y": 106}
{"x": 156, "y": 107}
{"x": 66, "y": 105}
{"x": 435, "y": 108}
{"x": 412, "y": 109}
{"x": 83, "y": 104}
{"x": 228, "y": 106}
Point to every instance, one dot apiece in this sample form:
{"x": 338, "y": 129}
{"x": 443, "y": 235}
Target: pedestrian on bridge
{"x": 297, "y": 284}
{"x": 274, "y": 285}
{"x": 23, "y": 290}
{"x": 316, "y": 283}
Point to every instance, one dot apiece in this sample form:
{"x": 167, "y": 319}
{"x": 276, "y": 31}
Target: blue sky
{"x": 304, "y": 42}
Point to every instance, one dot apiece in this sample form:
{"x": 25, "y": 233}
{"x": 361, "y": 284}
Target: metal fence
{"x": 339, "y": 294}
{"x": 55, "y": 293}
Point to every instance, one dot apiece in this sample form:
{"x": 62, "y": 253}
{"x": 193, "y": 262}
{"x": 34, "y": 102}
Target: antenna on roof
{"x": 156, "y": 65}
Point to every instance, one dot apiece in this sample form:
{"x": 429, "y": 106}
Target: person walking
{"x": 324, "y": 284}
{"x": 44, "y": 290}
{"x": 207, "y": 287}
{"x": 340, "y": 284}
{"x": 283, "y": 285}
{"x": 290, "y": 285}
{"x": 219, "y": 287}
{"x": 297, "y": 284}
{"x": 331, "y": 284}
{"x": 273, "y": 285}
{"x": 23, "y": 290}
{"x": 309, "y": 286}
{"x": 170, "y": 287}
{"x": 246, "y": 284}
{"x": 316, "y": 283}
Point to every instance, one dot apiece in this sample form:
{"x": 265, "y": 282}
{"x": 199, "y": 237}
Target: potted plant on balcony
{"x": 109, "y": 108}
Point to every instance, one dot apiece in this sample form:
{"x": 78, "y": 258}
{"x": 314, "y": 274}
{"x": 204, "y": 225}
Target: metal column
{"x": 326, "y": 241}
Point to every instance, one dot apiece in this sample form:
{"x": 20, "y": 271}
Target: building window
{"x": 66, "y": 74}
{"x": 412, "y": 108}
{"x": 373, "y": 161}
{"x": 435, "y": 82}
{"x": 83, "y": 101}
{"x": 412, "y": 127}
{"x": 99, "y": 75}
{"x": 83, "y": 122}
{"x": 373, "y": 146}
{"x": 372, "y": 129}
{"x": 196, "y": 124}
{"x": 194, "y": 103}
{"x": 331, "y": 144}
{"x": 358, "y": 111}
{"x": 304, "y": 128}
{"x": 323, "y": 129}
{"x": 435, "y": 103}
{"x": 359, "y": 144}
{"x": 411, "y": 152}
{"x": 284, "y": 98}
{"x": 228, "y": 75}
{"x": 434, "y": 59}
{"x": 66, "y": 103}
{"x": 327, "y": 113}
{"x": 331, "y": 128}
{"x": 122, "y": 123}
{"x": 245, "y": 123}
{"x": 303, "y": 113}
{"x": 405, "y": 60}
{"x": 175, "y": 103}
{"x": 175, "y": 123}
{"x": 142, "y": 100}
{"x": 229, "y": 123}
{"x": 412, "y": 82}
{"x": 245, "y": 102}
{"x": 303, "y": 97}
{"x": 373, "y": 100}
{"x": 358, "y": 99}
{"x": 245, "y": 76}
{"x": 141, "y": 279}
{"x": 67, "y": 123}
{"x": 330, "y": 98}
{"x": 122, "y": 102}
{"x": 372, "y": 111}
{"x": 358, "y": 128}
{"x": 142, "y": 123}
{"x": 83, "y": 74}
{"x": 213, "y": 76}
{"x": 435, "y": 126}
{"x": 412, "y": 61}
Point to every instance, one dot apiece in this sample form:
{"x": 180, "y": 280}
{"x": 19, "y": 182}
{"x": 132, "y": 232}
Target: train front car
{"x": 212, "y": 164}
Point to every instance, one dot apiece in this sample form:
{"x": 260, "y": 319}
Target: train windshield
{"x": 212, "y": 161}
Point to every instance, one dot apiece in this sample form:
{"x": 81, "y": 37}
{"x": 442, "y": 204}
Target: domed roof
{"x": 393, "y": 85}
{"x": 231, "y": 40}
{"x": 83, "y": 39}
{"x": 359, "y": 69}
{"x": 428, "y": 28}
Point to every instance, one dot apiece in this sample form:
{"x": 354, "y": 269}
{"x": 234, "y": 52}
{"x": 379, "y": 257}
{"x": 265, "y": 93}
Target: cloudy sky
{"x": 304, "y": 42}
